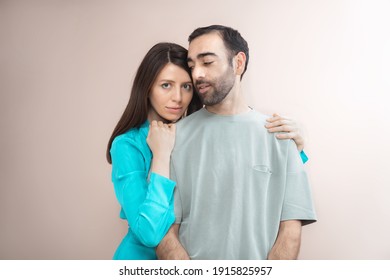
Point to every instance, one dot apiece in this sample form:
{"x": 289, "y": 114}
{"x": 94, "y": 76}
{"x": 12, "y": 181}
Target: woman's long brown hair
{"x": 136, "y": 112}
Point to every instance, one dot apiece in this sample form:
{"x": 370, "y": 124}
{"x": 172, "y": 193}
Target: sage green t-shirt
{"x": 235, "y": 183}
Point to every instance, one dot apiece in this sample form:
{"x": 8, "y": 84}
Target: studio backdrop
{"x": 66, "y": 69}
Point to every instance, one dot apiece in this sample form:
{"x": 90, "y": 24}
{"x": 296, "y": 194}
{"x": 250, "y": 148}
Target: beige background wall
{"x": 65, "y": 74}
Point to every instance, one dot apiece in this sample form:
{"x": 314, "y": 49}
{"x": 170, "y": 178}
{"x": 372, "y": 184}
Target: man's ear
{"x": 240, "y": 60}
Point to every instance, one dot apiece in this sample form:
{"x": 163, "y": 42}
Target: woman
{"x": 162, "y": 94}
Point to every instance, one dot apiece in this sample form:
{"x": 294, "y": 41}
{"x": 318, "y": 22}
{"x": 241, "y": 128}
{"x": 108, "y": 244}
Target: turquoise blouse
{"x": 146, "y": 199}
{"x": 303, "y": 156}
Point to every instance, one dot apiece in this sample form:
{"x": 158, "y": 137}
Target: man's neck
{"x": 233, "y": 104}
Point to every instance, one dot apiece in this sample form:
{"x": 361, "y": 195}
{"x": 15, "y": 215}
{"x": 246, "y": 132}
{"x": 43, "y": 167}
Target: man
{"x": 241, "y": 193}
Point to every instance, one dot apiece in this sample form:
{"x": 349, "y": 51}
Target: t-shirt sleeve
{"x": 147, "y": 204}
{"x": 298, "y": 203}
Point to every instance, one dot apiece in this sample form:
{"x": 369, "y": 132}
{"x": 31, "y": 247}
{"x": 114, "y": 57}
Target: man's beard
{"x": 219, "y": 88}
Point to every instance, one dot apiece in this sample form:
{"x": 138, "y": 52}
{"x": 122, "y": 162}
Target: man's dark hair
{"x": 232, "y": 39}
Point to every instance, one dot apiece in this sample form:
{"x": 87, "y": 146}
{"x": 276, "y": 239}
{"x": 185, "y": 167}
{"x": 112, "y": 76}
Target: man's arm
{"x": 170, "y": 247}
{"x": 288, "y": 242}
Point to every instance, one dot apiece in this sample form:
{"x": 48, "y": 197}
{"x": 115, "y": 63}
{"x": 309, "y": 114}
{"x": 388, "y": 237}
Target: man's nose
{"x": 198, "y": 73}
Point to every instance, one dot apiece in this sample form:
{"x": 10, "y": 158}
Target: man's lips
{"x": 203, "y": 88}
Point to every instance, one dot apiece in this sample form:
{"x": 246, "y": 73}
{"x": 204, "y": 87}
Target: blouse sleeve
{"x": 146, "y": 203}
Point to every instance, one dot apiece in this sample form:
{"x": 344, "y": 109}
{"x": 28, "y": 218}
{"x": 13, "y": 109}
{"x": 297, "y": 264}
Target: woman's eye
{"x": 187, "y": 86}
{"x": 165, "y": 85}
{"x": 208, "y": 62}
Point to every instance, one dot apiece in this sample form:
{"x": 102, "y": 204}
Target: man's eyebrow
{"x": 201, "y": 55}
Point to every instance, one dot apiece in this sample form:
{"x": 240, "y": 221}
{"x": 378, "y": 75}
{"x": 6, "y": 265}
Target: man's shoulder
{"x": 260, "y": 119}
{"x": 258, "y": 116}
{"x": 189, "y": 123}
{"x": 194, "y": 117}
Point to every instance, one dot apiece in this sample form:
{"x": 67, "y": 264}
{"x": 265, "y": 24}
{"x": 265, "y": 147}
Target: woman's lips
{"x": 174, "y": 110}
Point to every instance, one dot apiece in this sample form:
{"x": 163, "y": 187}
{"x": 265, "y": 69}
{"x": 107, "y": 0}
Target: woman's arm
{"x": 147, "y": 203}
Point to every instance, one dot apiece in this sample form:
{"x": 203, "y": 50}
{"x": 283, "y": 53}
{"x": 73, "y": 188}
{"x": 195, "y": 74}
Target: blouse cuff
{"x": 303, "y": 156}
{"x": 161, "y": 189}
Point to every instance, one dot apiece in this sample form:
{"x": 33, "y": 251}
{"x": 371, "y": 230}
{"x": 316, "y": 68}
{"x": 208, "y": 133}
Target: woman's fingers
{"x": 282, "y": 128}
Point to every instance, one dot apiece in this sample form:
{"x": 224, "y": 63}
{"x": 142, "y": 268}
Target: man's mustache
{"x": 202, "y": 82}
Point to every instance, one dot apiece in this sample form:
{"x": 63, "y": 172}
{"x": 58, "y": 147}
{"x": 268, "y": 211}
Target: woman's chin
{"x": 172, "y": 119}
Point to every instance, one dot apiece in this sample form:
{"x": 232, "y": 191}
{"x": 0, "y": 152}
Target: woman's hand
{"x": 278, "y": 123}
{"x": 161, "y": 139}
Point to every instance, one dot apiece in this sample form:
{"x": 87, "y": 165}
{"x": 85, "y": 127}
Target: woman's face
{"x": 170, "y": 95}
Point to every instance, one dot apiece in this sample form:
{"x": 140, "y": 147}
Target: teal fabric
{"x": 146, "y": 200}
{"x": 303, "y": 156}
